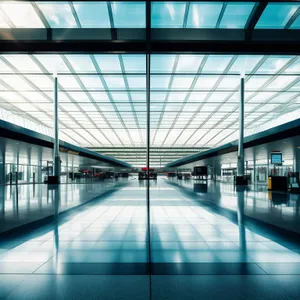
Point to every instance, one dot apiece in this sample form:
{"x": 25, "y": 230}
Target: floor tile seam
{"x": 48, "y": 260}
{"x": 123, "y": 240}
{"x": 212, "y": 206}
{"x": 16, "y": 286}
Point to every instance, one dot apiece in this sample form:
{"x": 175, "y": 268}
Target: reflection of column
{"x": 18, "y": 163}
{"x": 297, "y": 158}
{"x": 28, "y": 164}
{"x": 241, "y": 131}
{"x": 2, "y": 163}
{"x": 2, "y": 201}
{"x": 56, "y": 158}
{"x": 240, "y": 214}
{"x": 254, "y": 167}
{"x": 56, "y": 216}
{"x": 67, "y": 167}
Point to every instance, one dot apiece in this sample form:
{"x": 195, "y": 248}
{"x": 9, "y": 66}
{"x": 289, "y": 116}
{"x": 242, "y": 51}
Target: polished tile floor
{"x": 101, "y": 250}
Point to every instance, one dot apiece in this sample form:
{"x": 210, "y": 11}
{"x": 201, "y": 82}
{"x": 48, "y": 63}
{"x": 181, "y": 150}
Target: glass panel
{"x": 129, "y": 14}
{"x": 58, "y": 14}
{"x": 204, "y": 15}
{"x": 21, "y": 14}
{"x": 276, "y": 15}
{"x": 296, "y": 24}
{"x": 108, "y": 63}
{"x": 236, "y": 15}
{"x": 92, "y": 14}
{"x": 167, "y": 14}
{"x": 189, "y": 63}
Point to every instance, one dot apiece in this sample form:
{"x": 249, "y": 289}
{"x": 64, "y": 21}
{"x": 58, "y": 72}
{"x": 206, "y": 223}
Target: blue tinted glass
{"x": 276, "y": 15}
{"x": 167, "y": 14}
{"x": 129, "y": 14}
{"x": 58, "y": 15}
{"x": 92, "y": 14}
{"x": 204, "y": 15}
{"x": 236, "y": 15}
{"x": 296, "y": 24}
{"x": 162, "y": 63}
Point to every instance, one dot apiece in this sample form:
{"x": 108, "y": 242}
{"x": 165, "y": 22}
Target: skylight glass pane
{"x": 276, "y": 15}
{"x": 159, "y": 82}
{"x": 273, "y": 64}
{"x": 136, "y": 82}
{"x": 182, "y": 82}
{"x": 296, "y": 24}
{"x": 58, "y": 14}
{"x": 245, "y": 63}
{"x": 3, "y": 23}
{"x": 189, "y": 63}
{"x": 23, "y": 63}
{"x": 92, "y": 82}
{"x": 114, "y": 82}
{"x": 108, "y": 63}
{"x": 53, "y": 63}
{"x": 216, "y": 63}
{"x": 129, "y": 14}
{"x": 92, "y": 14}
{"x": 204, "y": 15}
{"x": 81, "y": 63}
{"x": 206, "y": 82}
{"x": 167, "y": 14}
{"x": 162, "y": 63}
{"x": 236, "y": 15}
{"x": 21, "y": 14}
{"x": 134, "y": 63}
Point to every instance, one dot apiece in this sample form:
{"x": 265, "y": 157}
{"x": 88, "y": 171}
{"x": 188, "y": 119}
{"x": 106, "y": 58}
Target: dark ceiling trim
{"x": 185, "y": 40}
{"x": 284, "y": 131}
{"x": 15, "y": 132}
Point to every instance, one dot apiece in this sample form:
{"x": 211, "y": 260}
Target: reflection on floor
{"x": 26, "y": 203}
{"x": 276, "y": 208}
{"x": 71, "y": 258}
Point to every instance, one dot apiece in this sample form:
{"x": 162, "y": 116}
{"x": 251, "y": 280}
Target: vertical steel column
{"x": 241, "y": 163}
{"x": 56, "y": 158}
{"x": 148, "y": 39}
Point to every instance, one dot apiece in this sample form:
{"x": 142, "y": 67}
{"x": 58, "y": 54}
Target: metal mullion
{"x": 289, "y": 86}
{"x": 203, "y": 62}
{"x": 92, "y": 101}
{"x": 96, "y": 66}
{"x": 254, "y": 17}
{"x": 27, "y": 100}
{"x": 229, "y": 65}
{"x": 36, "y": 88}
{"x": 75, "y": 14}
{"x": 40, "y": 14}
{"x": 221, "y": 15}
{"x": 18, "y": 110}
{"x": 7, "y": 19}
{"x": 167, "y": 97}
{"x": 258, "y": 65}
{"x": 292, "y": 19}
{"x": 284, "y": 104}
{"x": 209, "y": 95}
{"x": 33, "y": 104}
{"x": 186, "y": 14}
{"x": 111, "y": 20}
{"x": 129, "y": 97}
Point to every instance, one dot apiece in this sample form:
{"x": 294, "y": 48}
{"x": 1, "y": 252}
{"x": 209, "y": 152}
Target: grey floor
{"x": 101, "y": 250}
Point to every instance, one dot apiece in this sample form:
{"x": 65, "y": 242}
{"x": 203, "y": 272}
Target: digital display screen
{"x": 276, "y": 158}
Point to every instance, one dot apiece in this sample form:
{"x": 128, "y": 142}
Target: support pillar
{"x": 2, "y": 164}
{"x": 56, "y": 158}
{"x": 241, "y": 161}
